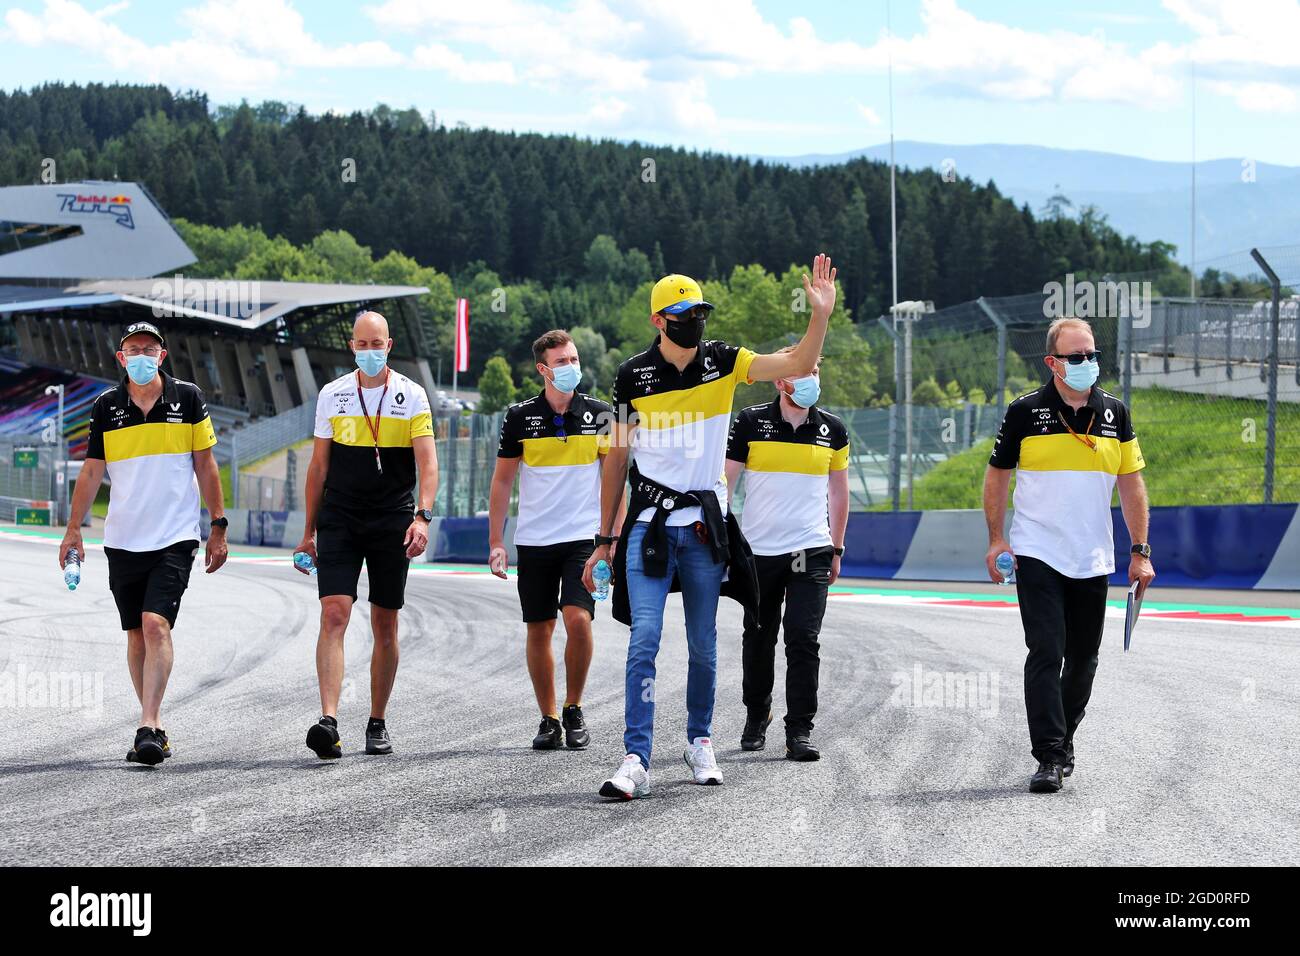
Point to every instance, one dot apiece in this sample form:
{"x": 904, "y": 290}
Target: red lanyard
{"x": 379, "y": 411}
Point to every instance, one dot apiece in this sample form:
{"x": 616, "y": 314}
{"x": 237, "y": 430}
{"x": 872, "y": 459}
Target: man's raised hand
{"x": 821, "y": 289}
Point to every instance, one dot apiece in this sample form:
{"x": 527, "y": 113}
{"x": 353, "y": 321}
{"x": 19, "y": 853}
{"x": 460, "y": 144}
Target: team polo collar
{"x": 170, "y": 392}
{"x": 577, "y": 404}
{"x": 658, "y": 356}
{"x": 1094, "y": 401}
{"x": 773, "y": 411}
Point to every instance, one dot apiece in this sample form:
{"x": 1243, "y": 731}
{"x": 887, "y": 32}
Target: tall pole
{"x": 1193, "y": 265}
{"x": 893, "y": 203}
{"x": 907, "y": 387}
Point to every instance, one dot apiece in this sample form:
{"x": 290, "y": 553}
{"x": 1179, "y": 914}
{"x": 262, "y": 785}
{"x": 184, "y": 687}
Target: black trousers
{"x": 799, "y": 580}
{"x": 1063, "y": 620}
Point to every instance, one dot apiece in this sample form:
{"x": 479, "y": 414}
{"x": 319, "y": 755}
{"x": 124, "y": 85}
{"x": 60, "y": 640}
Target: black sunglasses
{"x": 560, "y": 433}
{"x": 1078, "y": 358}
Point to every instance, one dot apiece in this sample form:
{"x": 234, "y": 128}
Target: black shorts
{"x": 151, "y": 581}
{"x": 545, "y": 570}
{"x": 346, "y": 537}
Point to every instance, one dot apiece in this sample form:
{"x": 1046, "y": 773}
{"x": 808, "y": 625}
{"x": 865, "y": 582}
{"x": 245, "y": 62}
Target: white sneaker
{"x": 699, "y": 757}
{"x": 630, "y": 780}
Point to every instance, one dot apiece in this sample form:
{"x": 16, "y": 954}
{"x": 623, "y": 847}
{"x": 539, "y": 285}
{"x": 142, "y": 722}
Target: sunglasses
{"x": 1078, "y": 358}
{"x": 560, "y": 433}
{"x": 694, "y": 312}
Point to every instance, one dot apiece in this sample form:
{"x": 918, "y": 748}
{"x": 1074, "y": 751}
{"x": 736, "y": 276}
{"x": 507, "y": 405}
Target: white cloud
{"x": 233, "y": 47}
{"x": 438, "y": 56}
{"x": 868, "y": 114}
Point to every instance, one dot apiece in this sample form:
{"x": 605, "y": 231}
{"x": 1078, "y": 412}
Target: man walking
{"x": 374, "y": 432}
{"x": 555, "y": 442}
{"x": 1069, "y": 443}
{"x": 672, "y": 407}
{"x": 796, "y": 509}
{"x": 152, "y": 436}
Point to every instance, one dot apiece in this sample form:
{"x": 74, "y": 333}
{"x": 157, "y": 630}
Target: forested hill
{"x": 528, "y": 206}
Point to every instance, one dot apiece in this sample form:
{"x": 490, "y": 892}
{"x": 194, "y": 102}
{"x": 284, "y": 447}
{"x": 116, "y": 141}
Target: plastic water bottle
{"x": 72, "y": 569}
{"x": 601, "y": 575}
{"x": 1005, "y": 564}
{"x": 302, "y": 559}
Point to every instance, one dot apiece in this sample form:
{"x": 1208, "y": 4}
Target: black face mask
{"x": 685, "y": 333}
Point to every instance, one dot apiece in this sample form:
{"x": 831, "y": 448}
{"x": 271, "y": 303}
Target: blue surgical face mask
{"x": 566, "y": 377}
{"x": 371, "y": 361}
{"x": 142, "y": 369}
{"x": 1080, "y": 377}
{"x": 806, "y": 391}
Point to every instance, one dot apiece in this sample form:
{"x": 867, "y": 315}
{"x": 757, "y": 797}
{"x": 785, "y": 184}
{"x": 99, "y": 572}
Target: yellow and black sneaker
{"x": 550, "y": 735}
{"x": 162, "y": 739}
{"x": 323, "y": 739}
{"x": 147, "y": 749}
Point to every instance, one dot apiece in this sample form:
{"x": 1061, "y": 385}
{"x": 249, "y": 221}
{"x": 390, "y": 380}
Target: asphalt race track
{"x": 1182, "y": 759}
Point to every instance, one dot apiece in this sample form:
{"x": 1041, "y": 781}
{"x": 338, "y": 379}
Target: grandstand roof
{"x": 245, "y": 305}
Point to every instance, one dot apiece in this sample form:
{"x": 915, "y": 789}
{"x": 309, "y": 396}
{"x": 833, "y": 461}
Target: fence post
{"x": 234, "y": 469}
{"x": 895, "y": 475}
{"x": 1001, "y": 323}
{"x": 453, "y": 438}
{"x": 1270, "y": 443}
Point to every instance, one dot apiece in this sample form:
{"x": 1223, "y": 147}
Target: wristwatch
{"x": 1142, "y": 549}
{"x": 425, "y": 514}
{"x": 605, "y": 540}
{"x": 839, "y": 552}
{"x": 223, "y": 522}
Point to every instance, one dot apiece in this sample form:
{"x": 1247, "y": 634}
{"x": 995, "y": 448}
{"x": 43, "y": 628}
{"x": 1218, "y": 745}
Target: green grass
{"x": 1198, "y": 449}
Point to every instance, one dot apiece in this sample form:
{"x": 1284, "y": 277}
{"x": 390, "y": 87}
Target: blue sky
{"x": 743, "y": 76}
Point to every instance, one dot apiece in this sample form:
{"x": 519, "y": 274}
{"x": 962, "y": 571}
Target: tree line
{"x": 527, "y": 207}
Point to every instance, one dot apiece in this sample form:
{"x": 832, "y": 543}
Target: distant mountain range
{"x": 1146, "y": 198}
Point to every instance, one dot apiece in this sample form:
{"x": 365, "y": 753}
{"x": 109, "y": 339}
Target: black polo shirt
{"x": 681, "y": 418}
{"x": 149, "y": 460}
{"x": 788, "y": 475}
{"x": 559, "y": 471}
{"x": 1066, "y": 465}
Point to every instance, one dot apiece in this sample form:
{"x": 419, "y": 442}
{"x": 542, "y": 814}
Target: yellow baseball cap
{"x": 676, "y": 293}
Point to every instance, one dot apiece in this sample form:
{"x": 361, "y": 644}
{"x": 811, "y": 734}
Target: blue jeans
{"x": 701, "y": 580}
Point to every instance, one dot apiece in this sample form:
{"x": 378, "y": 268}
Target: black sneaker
{"x": 799, "y": 747}
{"x": 162, "y": 739}
{"x": 323, "y": 739}
{"x": 147, "y": 749}
{"x": 575, "y": 728}
{"x": 1047, "y": 779}
{"x": 549, "y": 735}
{"x": 1068, "y": 767}
{"x": 377, "y": 741}
{"x": 754, "y": 736}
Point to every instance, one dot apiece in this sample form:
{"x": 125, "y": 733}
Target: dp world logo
{"x": 118, "y": 207}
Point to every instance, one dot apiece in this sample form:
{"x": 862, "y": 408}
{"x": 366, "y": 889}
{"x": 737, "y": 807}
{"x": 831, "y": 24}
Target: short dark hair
{"x": 549, "y": 340}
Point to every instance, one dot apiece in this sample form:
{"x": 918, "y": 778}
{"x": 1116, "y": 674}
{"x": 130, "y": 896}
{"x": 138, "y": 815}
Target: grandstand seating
{"x": 23, "y": 403}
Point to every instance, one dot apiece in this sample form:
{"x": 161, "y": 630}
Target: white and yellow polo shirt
{"x": 353, "y": 480}
{"x": 1064, "y": 480}
{"x": 154, "y": 496}
{"x": 559, "y": 471}
{"x": 682, "y": 418}
{"x": 787, "y": 477}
